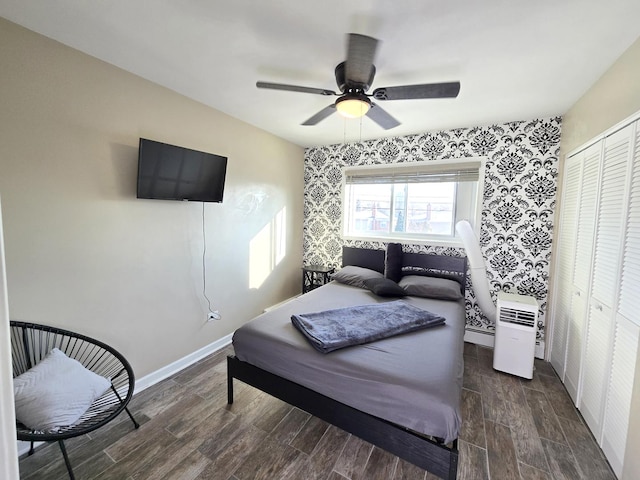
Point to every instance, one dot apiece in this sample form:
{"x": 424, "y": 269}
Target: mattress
{"x": 413, "y": 380}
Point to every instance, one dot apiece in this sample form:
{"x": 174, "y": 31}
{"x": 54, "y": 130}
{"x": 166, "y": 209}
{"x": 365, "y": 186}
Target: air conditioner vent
{"x": 519, "y": 317}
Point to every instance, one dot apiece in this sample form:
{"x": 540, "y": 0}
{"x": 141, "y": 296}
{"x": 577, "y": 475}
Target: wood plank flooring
{"x": 512, "y": 429}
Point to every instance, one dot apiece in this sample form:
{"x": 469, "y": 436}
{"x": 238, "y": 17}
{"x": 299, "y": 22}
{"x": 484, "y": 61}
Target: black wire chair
{"x": 31, "y": 342}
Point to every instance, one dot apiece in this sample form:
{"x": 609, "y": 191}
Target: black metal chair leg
{"x": 136, "y": 424}
{"x": 31, "y": 449}
{"x": 66, "y": 459}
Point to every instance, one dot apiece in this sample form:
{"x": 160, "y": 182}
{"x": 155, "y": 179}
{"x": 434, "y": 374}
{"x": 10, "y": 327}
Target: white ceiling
{"x": 515, "y": 59}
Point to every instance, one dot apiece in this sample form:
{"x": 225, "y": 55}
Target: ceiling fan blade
{"x": 321, "y": 115}
{"x": 381, "y": 117}
{"x": 294, "y": 88}
{"x": 360, "y": 54}
{"x": 427, "y": 90}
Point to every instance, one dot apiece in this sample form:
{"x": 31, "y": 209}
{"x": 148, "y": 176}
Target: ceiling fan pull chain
{"x": 344, "y": 123}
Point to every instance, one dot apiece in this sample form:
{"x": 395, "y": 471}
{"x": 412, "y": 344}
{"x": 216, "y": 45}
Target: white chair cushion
{"x": 56, "y": 392}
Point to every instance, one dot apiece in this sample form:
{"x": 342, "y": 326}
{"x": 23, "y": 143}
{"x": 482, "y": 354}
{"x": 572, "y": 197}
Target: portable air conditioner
{"x": 515, "y": 342}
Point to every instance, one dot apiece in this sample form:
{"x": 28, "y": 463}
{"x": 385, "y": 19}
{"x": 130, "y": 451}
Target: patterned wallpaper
{"x": 517, "y": 210}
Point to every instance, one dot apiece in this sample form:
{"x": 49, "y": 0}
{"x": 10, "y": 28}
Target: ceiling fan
{"x": 354, "y": 76}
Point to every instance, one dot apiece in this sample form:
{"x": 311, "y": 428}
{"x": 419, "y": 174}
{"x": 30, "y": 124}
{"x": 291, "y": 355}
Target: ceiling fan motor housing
{"x": 344, "y": 85}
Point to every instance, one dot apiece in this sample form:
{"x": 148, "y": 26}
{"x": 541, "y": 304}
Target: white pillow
{"x": 56, "y": 392}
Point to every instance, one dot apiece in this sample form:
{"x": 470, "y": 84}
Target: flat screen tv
{"x": 168, "y": 172}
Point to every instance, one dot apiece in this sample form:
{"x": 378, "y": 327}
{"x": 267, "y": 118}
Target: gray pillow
{"x": 356, "y": 276}
{"x": 431, "y": 287}
{"x": 384, "y": 287}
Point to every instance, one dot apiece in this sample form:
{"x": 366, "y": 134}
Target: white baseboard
{"x": 165, "y": 372}
{"x": 487, "y": 339}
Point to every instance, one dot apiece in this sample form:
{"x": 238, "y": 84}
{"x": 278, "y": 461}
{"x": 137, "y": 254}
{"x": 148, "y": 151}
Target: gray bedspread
{"x": 337, "y": 328}
{"x": 413, "y": 380}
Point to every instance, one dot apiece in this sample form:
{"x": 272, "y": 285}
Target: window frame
{"x": 423, "y": 167}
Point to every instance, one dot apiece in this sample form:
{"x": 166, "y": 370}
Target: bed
{"x": 401, "y": 393}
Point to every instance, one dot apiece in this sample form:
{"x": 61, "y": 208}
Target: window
{"x": 412, "y": 201}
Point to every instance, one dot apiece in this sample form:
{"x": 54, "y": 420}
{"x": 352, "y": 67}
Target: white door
{"x": 619, "y": 392}
{"x": 8, "y": 445}
{"x": 627, "y": 324}
{"x": 630, "y": 277}
{"x": 566, "y": 255}
{"x": 582, "y": 264}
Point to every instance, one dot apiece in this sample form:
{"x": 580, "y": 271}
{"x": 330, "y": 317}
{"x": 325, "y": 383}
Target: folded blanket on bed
{"x": 344, "y": 327}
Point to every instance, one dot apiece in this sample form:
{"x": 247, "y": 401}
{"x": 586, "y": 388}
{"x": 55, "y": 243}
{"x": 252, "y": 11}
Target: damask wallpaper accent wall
{"x": 517, "y": 210}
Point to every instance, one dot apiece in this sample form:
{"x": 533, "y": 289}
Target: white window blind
{"x": 459, "y": 172}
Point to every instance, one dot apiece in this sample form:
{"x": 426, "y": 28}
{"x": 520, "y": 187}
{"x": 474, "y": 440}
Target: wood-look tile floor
{"x": 512, "y": 429}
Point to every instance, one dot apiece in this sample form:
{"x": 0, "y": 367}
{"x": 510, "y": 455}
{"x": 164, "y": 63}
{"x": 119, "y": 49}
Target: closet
{"x": 595, "y": 325}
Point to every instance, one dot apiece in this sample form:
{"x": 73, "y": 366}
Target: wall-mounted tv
{"x": 168, "y": 172}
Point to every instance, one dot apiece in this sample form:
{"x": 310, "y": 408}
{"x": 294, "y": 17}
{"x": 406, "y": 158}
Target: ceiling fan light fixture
{"x": 353, "y": 107}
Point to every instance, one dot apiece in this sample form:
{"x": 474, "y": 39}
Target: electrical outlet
{"x": 215, "y": 315}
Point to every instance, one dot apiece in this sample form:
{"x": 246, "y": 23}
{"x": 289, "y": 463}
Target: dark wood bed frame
{"x": 425, "y": 452}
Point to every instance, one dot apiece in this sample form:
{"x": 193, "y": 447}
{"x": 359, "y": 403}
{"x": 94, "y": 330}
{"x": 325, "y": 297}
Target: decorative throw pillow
{"x": 356, "y": 276}
{"x": 431, "y": 287}
{"x": 384, "y": 287}
{"x": 393, "y": 262}
{"x": 56, "y": 392}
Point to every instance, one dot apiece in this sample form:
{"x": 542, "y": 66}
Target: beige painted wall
{"x": 83, "y": 253}
{"x": 613, "y": 98}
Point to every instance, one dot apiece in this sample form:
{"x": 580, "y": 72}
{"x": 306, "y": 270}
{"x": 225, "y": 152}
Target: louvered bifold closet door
{"x": 619, "y": 393}
{"x": 587, "y": 217}
{"x": 630, "y": 278}
{"x": 587, "y": 208}
{"x": 566, "y": 258}
{"x": 627, "y": 325}
{"x": 610, "y": 221}
{"x": 611, "y": 215}
{"x": 596, "y": 366}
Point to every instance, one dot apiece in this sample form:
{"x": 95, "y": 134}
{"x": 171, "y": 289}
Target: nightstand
{"x": 314, "y": 276}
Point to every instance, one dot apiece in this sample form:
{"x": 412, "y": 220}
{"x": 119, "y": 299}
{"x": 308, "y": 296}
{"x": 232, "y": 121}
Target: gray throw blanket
{"x": 344, "y": 327}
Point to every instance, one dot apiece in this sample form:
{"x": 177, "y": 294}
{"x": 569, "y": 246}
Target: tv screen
{"x": 168, "y": 172}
